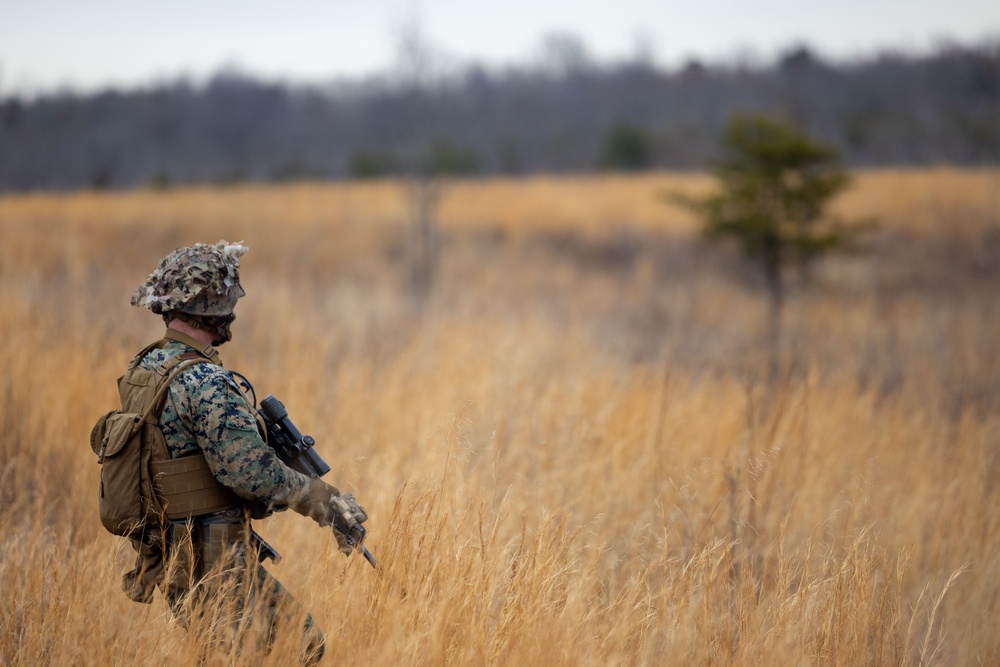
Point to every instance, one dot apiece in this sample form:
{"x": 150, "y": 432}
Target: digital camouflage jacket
{"x": 206, "y": 410}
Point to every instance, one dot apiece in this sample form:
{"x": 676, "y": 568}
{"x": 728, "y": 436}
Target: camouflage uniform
{"x": 206, "y": 412}
{"x": 214, "y": 558}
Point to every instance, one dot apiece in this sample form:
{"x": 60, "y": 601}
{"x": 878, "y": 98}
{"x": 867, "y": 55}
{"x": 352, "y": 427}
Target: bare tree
{"x": 416, "y": 69}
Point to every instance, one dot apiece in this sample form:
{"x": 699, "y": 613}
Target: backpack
{"x": 141, "y": 485}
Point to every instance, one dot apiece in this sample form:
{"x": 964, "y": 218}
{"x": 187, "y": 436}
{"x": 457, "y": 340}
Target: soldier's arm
{"x": 238, "y": 457}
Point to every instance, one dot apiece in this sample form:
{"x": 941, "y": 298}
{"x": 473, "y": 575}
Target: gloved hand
{"x": 342, "y": 544}
{"x": 317, "y": 502}
{"x": 349, "y": 516}
{"x": 323, "y": 503}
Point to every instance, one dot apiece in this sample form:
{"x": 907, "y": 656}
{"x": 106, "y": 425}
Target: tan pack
{"x": 140, "y": 483}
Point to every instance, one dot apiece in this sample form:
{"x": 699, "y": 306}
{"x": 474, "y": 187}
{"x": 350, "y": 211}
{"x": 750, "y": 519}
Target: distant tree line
{"x": 890, "y": 109}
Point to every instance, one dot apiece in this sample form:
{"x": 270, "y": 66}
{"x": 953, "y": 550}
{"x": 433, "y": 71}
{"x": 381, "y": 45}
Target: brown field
{"x": 572, "y": 454}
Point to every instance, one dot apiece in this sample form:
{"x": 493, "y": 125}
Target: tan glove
{"x": 320, "y": 503}
{"x": 317, "y": 502}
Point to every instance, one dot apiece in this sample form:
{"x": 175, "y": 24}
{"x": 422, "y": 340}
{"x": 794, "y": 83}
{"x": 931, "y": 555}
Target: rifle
{"x": 296, "y": 451}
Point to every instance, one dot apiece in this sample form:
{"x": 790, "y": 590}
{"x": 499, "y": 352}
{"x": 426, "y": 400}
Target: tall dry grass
{"x": 572, "y": 454}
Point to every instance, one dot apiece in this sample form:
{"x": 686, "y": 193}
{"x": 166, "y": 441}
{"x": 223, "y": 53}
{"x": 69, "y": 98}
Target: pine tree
{"x": 774, "y": 186}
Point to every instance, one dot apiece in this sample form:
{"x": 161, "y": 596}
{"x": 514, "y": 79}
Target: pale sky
{"x": 49, "y": 44}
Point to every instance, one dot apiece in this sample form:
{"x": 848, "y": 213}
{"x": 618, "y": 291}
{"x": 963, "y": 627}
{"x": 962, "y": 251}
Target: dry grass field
{"x": 573, "y": 452}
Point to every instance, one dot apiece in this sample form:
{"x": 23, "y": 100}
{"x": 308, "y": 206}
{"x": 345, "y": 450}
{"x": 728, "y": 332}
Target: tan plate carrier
{"x": 130, "y": 445}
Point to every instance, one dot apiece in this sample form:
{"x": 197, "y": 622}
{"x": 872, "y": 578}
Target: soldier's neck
{"x": 199, "y": 335}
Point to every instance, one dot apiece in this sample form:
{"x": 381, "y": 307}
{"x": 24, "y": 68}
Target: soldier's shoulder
{"x": 203, "y": 371}
{"x": 202, "y": 389}
{"x": 204, "y": 374}
{"x": 154, "y": 359}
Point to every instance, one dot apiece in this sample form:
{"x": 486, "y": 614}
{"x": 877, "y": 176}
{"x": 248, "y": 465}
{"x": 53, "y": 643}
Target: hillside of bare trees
{"x": 568, "y": 116}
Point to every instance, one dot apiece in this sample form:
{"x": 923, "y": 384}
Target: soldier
{"x": 205, "y": 552}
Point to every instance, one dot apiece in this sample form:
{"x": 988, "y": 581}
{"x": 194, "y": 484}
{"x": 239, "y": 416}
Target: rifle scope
{"x": 293, "y": 448}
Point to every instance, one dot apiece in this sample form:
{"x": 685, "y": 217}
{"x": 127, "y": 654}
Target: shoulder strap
{"x": 169, "y": 369}
{"x": 144, "y": 351}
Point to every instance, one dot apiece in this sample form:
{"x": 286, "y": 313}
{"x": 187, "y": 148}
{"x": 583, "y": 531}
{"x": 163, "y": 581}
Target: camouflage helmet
{"x": 202, "y": 279}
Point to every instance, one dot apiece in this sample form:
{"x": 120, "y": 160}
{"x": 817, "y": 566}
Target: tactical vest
{"x": 141, "y": 485}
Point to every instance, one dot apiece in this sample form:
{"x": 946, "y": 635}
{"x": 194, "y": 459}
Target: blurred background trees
{"x": 564, "y": 113}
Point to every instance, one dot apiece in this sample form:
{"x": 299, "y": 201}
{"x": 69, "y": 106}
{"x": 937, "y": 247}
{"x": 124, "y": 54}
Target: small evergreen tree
{"x": 626, "y": 148}
{"x": 369, "y": 164}
{"x": 774, "y": 185}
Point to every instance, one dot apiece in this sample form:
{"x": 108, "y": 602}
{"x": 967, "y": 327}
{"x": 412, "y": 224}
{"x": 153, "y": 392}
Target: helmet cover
{"x": 202, "y": 279}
